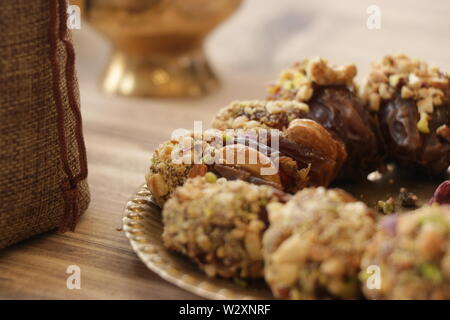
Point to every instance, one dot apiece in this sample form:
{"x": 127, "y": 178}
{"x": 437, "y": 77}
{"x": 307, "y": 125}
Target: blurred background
{"x": 264, "y": 36}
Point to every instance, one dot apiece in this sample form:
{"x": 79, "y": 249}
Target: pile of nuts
{"x": 412, "y": 79}
{"x": 297, "y": 82}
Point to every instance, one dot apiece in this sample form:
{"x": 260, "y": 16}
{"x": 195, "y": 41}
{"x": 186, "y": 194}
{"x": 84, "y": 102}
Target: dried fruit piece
{"x": 251, "y": 160}
{"x": 407, "y": 199}
{"x": 330, "y": 153}
{"x": 411, "y": 101}
{"x": 334, "y": 104}
{"x": 197, "y": 170}
{"x": 442, "y": 194}
{"x": 313, "y": 246}
{"x": 318, "y": 153}
{"x": 220, "y": 225}
{"x": 411, "y": 251}
{"x": 231, "y": 173}
{"x": 312, "y": 134}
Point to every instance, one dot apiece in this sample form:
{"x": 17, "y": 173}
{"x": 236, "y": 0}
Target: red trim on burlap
{"x": 69, "y": 187}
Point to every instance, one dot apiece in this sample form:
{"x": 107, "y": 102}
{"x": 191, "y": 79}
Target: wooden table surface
{"x": 120, "y": 133}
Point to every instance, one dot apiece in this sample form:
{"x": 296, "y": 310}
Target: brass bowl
{"x": 158, "y": 44}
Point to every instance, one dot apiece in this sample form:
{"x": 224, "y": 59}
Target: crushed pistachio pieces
{"x": 298, "y": 81}
{"x": 422, "y": 125}
{"x": 240, "y": 282}
{"x": 434, "y": 219}
{"x": 386, "y": 207}
{"x": 412, "y": 79}
{"x": 210, "y": 177}
{"x": 431, "y": 272}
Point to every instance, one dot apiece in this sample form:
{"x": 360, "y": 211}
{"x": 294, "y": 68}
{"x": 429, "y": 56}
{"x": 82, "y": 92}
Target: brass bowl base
{"x": 185, "y": 74}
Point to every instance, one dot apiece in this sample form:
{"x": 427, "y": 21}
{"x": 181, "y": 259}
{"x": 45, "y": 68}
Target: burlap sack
{"x": 42, "y": 154}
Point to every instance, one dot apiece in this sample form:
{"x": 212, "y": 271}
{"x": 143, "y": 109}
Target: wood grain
{"x": 120, "y": 133}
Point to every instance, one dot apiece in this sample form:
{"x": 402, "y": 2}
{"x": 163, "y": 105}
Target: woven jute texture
{"x": 43, "y": 166}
